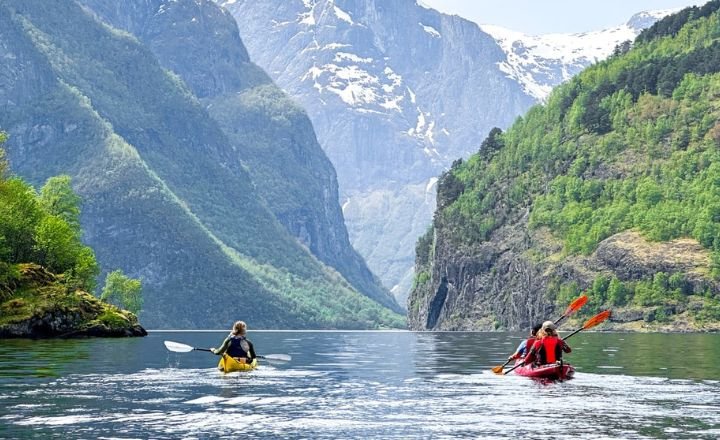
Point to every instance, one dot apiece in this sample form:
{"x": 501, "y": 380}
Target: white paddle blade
{"x": 178, "y": 347}
{"x": 277, "y": 357}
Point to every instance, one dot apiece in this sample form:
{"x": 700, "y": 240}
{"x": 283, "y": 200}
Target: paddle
{"x": 184, "y": 348}
{"x": 590, "y": 323}
{"x": 572, "y": 308}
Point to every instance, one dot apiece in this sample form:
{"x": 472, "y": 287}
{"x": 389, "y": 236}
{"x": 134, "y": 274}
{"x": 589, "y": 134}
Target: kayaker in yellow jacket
{"x": 236, "y": 345}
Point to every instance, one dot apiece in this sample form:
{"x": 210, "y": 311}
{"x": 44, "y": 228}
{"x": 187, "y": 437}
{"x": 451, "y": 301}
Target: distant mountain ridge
{"x": 397, "y": 92}
{"x": 539, "y": 63}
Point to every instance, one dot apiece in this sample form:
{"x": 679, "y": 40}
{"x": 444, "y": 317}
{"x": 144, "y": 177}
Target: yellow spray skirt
{"x": 228, "y": 364}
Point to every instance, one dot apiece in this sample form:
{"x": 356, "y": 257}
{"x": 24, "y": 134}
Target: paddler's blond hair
{"x": 239, "y": 328}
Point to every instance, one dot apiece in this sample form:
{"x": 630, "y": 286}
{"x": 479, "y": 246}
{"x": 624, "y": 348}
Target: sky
{"x": 534, "y": 17}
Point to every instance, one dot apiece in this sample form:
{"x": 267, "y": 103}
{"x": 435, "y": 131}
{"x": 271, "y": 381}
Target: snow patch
{"x": 333, "y": 46}
{"x": 308, "y": 18}
{"x": 430, "y": 30}
{"x": 541, "y": 62}
{"x": 431, "y": 183}
{"x": 342, "y": 15}
{"x": 342, "y": 56}
{"x": 412, "y": 95}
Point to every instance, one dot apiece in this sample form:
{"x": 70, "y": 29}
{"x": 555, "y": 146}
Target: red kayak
{"x": 550, "y": 371}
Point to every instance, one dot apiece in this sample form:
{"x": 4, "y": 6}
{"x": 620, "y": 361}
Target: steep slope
{"x": 611, "y": 188}
{"x": 270, "y": 135}
{"x": 167, "y": 199}
{"x": 395, "y": 92}
{"x": 539, "y": 63}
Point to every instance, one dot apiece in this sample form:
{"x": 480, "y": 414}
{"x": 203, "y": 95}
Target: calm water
{"x": 359, "y": 385}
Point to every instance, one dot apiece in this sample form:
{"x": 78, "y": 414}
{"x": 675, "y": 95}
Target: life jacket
{"x": 529, "y": 345}
{"x": 550, "y": 350}
{"x": 239, "y": 347}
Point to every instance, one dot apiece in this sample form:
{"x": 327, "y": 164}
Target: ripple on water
{"x": 331, "y": 396}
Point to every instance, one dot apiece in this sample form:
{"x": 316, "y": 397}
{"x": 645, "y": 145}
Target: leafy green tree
{"x": 123, "y": 291}
{"x": 20, "y": 213}
{"x": 616, "y": 292}
{"x": 58, "y": 198}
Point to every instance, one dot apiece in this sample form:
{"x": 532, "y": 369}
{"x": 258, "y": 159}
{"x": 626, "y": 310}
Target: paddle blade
{"x": 178, "y": 347}
{"x": 576, "y": 305}
{"x": 597, "y": 319}
{"x": 277, "y": 357}
{"x": 499, "y": 368}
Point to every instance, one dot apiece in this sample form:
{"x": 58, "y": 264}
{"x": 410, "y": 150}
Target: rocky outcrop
{"x": 496, "y": 285}
{"x": 505, "y": 281}
{"x": 630, "y": 257}
{"x": 40, "y": 305}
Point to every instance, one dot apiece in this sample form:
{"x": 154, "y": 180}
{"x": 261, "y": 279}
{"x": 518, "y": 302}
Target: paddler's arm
{"x": 251, "y": 352}
{"x": 566, "y": 348}
{"x": 223, "y": 348}
{"x": 520, "y": 349}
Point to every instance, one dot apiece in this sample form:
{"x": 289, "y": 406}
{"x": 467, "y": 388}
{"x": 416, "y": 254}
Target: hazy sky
{"x": 548, "y": 16}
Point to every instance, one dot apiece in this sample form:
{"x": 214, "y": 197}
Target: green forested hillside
{"x": 165, "y": 198}
{"x": 631, "y": 144}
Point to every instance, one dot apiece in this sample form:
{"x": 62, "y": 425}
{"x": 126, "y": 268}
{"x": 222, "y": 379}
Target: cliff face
{"x": 395, "y": 92}
{"x": 505, "y": 283}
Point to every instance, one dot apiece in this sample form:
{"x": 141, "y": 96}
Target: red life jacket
{"x": 529, "y": 344}
{"x": 549, "y": 351}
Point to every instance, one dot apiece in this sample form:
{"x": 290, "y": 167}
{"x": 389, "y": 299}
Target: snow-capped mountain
{"x": 541, "y": 62}
{"x": 396, "y": 91}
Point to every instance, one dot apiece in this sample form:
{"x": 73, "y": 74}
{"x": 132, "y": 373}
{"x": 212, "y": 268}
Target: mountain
{"x": 171, "y": 194}
{"x": 278, "y": 144}
{"x": 610, "y": 188}
{"x": 395, "y": 92}
{"x": 539, "y": 63}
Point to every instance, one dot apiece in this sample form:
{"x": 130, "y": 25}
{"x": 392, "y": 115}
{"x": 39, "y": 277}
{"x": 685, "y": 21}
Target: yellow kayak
{"x": 229, "y": 364}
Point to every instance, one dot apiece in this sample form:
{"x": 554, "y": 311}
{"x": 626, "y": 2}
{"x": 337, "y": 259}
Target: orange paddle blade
{"x": 597, "y": 319}
{"x": 576, "y": 305}
{"x": 498, "y": 369}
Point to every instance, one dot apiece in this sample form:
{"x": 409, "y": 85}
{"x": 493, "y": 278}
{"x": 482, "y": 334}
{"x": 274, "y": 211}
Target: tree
{"x": 493, "y": 142}
{"x": 123, "y": 291}
{"x": 58, "y": 198}
{"x": 616, "y": 293}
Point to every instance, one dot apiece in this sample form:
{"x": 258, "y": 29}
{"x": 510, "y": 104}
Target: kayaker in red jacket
{"x": 548, "y": 349}
{"x": 526, "y": 344}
